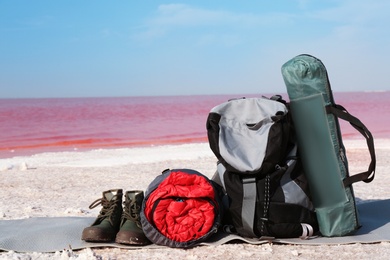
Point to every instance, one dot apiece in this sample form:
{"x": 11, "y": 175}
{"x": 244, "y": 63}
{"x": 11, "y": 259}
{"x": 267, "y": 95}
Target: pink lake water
{"x": 29, "y": 126}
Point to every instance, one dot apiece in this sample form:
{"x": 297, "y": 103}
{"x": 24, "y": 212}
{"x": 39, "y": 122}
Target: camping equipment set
{"x": 281, "y": 172}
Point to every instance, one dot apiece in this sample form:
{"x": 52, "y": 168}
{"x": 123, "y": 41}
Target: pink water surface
{"x": 29, "y": 126}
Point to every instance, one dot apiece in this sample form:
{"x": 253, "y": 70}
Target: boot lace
{"x": 131, "y": 212}
{"x": 108, "y": 209}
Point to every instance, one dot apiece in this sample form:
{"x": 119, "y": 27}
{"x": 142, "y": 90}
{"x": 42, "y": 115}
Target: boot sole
{"x": 127, "y": 242}
{"x": 93, "y": 236}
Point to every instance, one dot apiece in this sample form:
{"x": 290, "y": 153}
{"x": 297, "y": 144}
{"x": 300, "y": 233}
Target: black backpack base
{"x": 276, "y": 205}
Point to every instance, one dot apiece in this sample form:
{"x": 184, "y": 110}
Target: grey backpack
{"x": 259, "y": 169}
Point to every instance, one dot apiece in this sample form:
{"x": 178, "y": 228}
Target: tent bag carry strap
{"x": 368, "y": 175}
{"x": 315, "y": 116}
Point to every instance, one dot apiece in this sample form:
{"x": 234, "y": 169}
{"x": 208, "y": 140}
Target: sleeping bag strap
{"x": 340, "y": 112}
{"x": 249, "y": 206}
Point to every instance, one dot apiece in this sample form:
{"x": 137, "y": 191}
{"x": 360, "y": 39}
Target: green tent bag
{"x": 315, "y": 116}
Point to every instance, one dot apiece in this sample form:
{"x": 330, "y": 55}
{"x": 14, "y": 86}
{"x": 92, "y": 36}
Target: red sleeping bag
{"x": 180, "y": 208}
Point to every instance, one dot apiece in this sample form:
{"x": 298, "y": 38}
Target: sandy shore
{"x": 65, "y": 183}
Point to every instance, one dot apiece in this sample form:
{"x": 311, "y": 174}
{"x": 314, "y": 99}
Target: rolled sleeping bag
{"x": 181, "y": 209}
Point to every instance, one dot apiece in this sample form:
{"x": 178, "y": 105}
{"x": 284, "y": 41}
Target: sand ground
{"x": 65, "y": 184}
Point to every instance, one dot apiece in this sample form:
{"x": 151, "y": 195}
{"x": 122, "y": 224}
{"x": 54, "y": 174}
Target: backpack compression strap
{"x": 307, "y": 231}
{"x": 249, "y": 206}
{"x": 248, "y": 201}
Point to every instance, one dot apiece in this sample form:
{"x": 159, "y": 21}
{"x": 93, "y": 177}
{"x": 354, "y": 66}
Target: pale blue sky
{"x": 131, "y": 48}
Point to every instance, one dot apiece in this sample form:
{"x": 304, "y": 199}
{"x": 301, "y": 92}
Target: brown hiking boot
{"x": 106, "y": 226}
{"x": 131, "y": 232}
